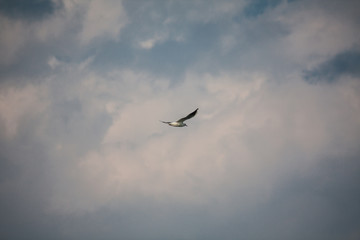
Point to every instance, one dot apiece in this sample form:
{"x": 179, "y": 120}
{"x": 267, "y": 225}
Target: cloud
{"x": 150, "y": 43}
{"x": 65, "y": 33}
{"x": 29, "y": 102}
{"x": 313, "y": 31}
{"x": 11, "y": 41}
{"x": 103, "y": 19}
{"x": 268, "y": 156}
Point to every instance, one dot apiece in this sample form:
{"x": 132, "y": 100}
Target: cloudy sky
{"x": 274, "y": 152}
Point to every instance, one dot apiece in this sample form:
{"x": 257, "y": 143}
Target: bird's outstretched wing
{"x": 188, "y": 116}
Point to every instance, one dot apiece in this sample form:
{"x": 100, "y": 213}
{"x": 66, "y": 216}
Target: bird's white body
{"x": 177, "y": 124}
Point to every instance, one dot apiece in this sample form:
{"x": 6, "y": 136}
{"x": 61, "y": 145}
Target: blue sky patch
{"x": 27, "y": 9}
{"x": 258, "y": 7}
{"x": 346, "y": 63}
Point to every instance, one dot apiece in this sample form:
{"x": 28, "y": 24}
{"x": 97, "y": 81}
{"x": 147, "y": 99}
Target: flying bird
{"x": 180, "y": 122}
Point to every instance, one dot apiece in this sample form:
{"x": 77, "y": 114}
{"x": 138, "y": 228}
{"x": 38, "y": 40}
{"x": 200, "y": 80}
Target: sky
{"x": 273, "y": 153}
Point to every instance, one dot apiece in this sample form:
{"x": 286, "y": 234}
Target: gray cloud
{"x": 269, "y": 156}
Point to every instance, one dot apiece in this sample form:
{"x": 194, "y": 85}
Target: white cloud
{"x": 103, "y": 19}
{"x": 262, "y": 137}
{"x": 18, "y": 105}
{"x": 53, "y": 62}
{"x": 11, "y": 40}
{"x": 78, "y": 23}
{"x": 250, "y": 133}
{"x": 316, "y": 33}
{"x": 150, "y": 43}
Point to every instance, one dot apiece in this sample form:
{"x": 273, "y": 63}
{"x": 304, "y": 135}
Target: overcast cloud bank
{"x": 272, "y": 154}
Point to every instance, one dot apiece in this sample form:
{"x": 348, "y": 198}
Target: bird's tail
{"x": 164, "y": 122}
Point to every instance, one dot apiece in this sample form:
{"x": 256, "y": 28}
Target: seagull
{"x": 180, "y": 122}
